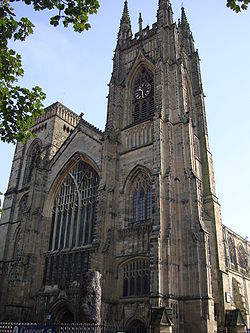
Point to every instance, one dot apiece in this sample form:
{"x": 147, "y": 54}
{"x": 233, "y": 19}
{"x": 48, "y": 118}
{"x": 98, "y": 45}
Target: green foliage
{"x": 75, "y": 12}
{"x": 238, "y": 5}
{"x": 20, "y": 106}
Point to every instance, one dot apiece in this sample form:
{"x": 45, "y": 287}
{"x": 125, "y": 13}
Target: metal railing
{"x": 12, "y": 327}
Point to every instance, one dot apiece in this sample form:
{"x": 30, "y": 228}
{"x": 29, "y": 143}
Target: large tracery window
{"x": 73, "y": 218}
{"x": 135, "y": 278}
{"x": 141, "y": 193}
{"x": 74, "y": 209}
{"x": 143, "y": 96}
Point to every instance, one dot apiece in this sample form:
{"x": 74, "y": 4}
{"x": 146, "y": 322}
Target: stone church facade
{"x": 135, "y": 203}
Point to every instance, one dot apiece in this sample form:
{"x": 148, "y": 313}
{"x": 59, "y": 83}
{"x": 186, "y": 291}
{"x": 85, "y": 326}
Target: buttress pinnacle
{"x": 184, "y": 21}
{"x": 186, "y": 35}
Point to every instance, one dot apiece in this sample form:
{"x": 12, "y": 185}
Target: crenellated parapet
{"x": 57, "y": 109}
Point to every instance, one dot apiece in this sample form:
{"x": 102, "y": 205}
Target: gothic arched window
{"x": 74, "y": 209}
{"x": 33, "y": 158}
{"x": 72, "y": 223}
{"x": 242, "y": 257}
{"x": 135, "y": 278}
{"x": 141, "y": 197}
{"x": 143, "y": 95}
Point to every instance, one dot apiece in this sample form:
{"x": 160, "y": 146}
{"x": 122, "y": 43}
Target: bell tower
{"x": 134, "y": 206}
{"x": 159, "y": 214}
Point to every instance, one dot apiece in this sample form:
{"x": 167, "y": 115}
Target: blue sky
{"x": 75, "y": 69}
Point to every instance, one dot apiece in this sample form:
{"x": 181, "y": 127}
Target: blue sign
{"x": 33, "y": 329}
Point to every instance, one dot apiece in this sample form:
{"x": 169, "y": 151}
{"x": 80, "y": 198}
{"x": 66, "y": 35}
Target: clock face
{"x": 142, "y": 90}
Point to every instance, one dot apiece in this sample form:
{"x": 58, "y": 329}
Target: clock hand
{"x": 141, "y": 89}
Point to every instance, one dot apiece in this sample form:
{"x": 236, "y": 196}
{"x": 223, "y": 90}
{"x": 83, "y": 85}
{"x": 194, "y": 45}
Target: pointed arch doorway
{"x": 137, "y": 326}
{"x": 62, "y": 312}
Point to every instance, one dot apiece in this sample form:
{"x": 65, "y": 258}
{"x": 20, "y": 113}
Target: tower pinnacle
{"x": 125, "y": 24}
{"x": 164, "y": 4}
{"x": 140, "y": 22}
{"x": 165, "y": 13}
{"x": 125, "y": 15}
{"x": 186, "y": 35}
{"x": 184, "y": 22}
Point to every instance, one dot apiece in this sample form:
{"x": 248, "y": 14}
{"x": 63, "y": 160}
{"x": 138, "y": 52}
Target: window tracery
{"x": 74, "y": 209}
{"x": 72, "y": 223}
{"x": 143, "y": 96}
{"x": 141, "y": 197}
{"x": 135, "y": 275}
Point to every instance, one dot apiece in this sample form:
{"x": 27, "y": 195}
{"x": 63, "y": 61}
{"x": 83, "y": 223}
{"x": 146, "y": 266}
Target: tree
{"x": 19, "y": 106}
{"x": 238, "y": 5}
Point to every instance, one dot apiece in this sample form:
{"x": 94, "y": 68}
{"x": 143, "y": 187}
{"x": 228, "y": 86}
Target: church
{"x": 130, "y": 210}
